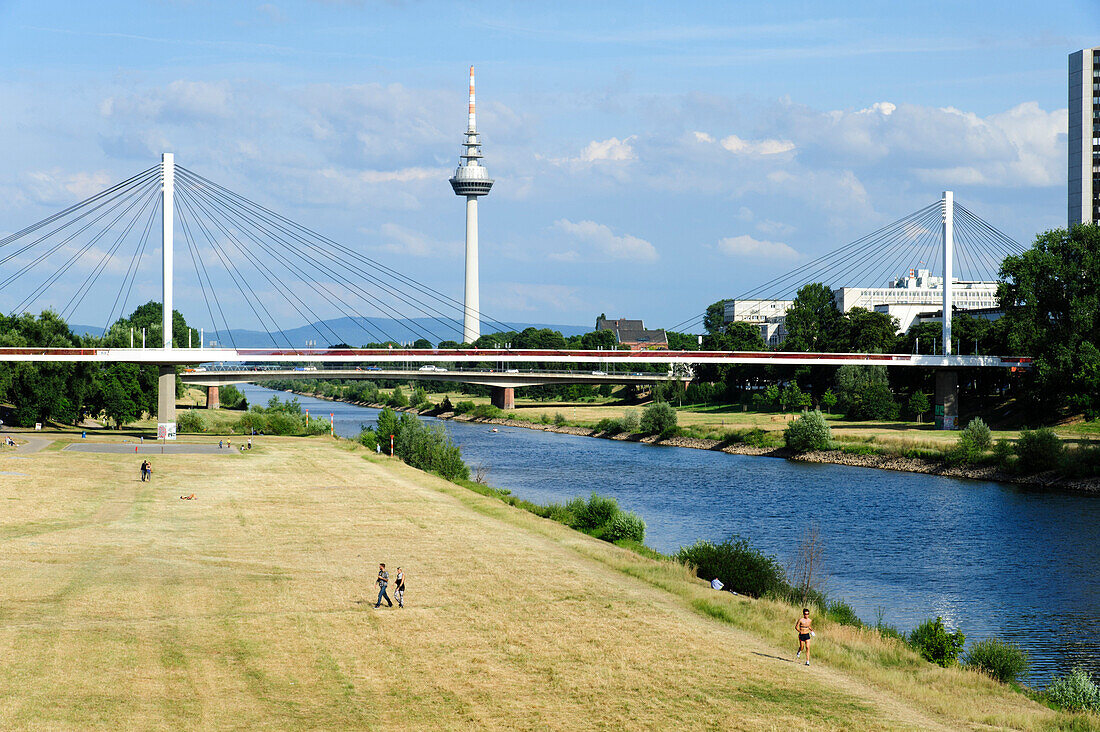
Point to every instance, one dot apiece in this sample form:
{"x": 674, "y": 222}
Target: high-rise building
{"x": 1084, "y": 136}
{"x": 471, "y": 180}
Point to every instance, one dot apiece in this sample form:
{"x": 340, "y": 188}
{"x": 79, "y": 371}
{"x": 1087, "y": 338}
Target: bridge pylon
{"x": 166, "y": 380}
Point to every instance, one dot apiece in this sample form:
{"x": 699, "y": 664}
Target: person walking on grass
{"x": 383, "y": 582}
{"x": 399, "y": 588}
{"x": 804, "y": 627}
{"x": 146, "y": 471}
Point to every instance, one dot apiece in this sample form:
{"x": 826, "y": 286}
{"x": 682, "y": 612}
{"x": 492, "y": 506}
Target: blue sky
{"x": 649, "y": 158}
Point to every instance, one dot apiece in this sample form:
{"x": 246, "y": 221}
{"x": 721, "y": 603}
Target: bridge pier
{"x": 504, "y": 397}
{"x": 947, "y": 399}
{"x": 212, "y": 401}
{"x": 166, "y": 403}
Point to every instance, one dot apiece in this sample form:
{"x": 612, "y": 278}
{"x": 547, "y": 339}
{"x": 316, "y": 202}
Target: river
{"x": 990, "y": 558}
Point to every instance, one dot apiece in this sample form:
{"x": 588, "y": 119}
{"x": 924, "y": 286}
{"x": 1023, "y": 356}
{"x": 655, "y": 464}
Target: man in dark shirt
{"x": 383, "y": 582}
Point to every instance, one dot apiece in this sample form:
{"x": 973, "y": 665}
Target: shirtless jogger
{"x": 804, "y": 627}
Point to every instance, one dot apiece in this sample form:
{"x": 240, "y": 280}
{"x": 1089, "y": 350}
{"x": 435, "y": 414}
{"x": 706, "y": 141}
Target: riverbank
{"x": 862, "y": 459}
{"x": 250, "y": 606}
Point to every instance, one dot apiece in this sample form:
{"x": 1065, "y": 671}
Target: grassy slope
{"x": 121, "y": 605}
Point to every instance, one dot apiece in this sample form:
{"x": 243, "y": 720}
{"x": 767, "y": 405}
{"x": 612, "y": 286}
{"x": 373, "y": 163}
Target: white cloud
{"x": 55, "y": 186}
{"x": 746, "y": 246}
{"x": 736, "y": 145}
{"x": 607, "y": 242}
{"x": 404, "y": 175}
{"x": 702, "y": 137}
{"x": 610, "y": 149}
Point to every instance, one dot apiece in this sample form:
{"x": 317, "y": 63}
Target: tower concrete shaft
{"x": 471, "y": 180}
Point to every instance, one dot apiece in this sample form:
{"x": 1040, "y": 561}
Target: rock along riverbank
{"x": 1050, "y": 480}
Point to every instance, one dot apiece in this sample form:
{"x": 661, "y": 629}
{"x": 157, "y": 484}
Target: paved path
{"x": 33, "y": 444}
{"x": 149, "y": 448}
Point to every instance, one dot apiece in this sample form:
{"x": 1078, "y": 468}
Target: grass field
{"x": 122, "y": 606}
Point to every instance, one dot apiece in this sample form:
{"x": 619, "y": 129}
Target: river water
{"x": 990, "y": 558}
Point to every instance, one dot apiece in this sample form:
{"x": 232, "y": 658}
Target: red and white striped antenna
{"x": 473, "y": 121}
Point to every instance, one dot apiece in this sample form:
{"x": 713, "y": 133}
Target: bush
{"x": 191, "y": 421}
{"x": 973, "y": 441}
{"x": 445, "y": 405}
{"x": 1075, "y": 691}
{"x": 419, "y": 398}
{"x": 1039, "y": 451}
{"x": 609, "y": 425}
{"x": 595, "y": 514}
{"x": 935, "y": 644}
{"x": 1005, "y": 662}
{"x": 486, "y": 411}
{"x": 631, "y": 421}
{"x": 841, "y": 612}
{"x": 544, "y": 418}
{"x": 463, "y": 407}
{"x": 658, "y": 418}
{"x": 425, "y": 448}
{"x": 251, "y": 421}
{"x": 283, "y": 423}
{"x": 626, "y": 526}
{"x": 397, "y": 399}
{"x": 369, "y": 439}
{"x": 559, "y": 419}
{"x": 808, "y": 432}
{"x": 740, "y": 567}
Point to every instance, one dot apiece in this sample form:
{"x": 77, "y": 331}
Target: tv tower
{"x": 471, "y": 179}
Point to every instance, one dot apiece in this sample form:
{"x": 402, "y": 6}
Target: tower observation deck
{"x": 471, "y": 179}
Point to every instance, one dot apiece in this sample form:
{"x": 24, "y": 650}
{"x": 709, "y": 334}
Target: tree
{"x": 813, "y": 321}
{"x": 828, "y": 400}
{"x": 596, "y": 339}
{"x": 49, "y": 391}
{"x": 864, "y": 393}
{"x": 871, "y": 332}
{"x": 715, "y": 319}
{"x": 918, "y": 404}
{"x": 422, "y": 343}
{"x": 1051, "y": 297}
{"x": 682, "y": 341}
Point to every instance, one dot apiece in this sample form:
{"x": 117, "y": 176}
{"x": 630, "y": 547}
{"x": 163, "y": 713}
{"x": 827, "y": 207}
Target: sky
{"x": 649, "y": 158}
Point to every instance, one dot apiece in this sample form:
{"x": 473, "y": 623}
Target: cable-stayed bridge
{"x": 246, "y": 260}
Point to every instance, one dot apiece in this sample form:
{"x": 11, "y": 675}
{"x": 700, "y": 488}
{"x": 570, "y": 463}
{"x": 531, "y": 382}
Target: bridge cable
{"x": 394, "y": 274}
{"x": 200, "y": 270}
{"x": 75, "y": 207}
{"x": 135, "y": 195}
{"x": 82, "y": 291}
{"x": 291, "y": 269}
{"x": 306, "y": 261}
{"x": 331, "y": 273}
{"x": 324, "y": 253}
{"x": 135, "y": 263}
{"x": 265, "y": 272}
{"x": 252, "y": 301}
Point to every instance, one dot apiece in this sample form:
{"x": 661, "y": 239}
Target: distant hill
{"x": 355, "y": 331}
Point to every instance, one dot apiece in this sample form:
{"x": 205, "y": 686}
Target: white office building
{"x": 1084, "y": 136}
{"x": 906, "y": 298}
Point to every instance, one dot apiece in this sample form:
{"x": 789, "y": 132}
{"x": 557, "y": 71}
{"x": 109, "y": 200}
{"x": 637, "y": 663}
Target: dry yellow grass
{"x": 122, "y": 606}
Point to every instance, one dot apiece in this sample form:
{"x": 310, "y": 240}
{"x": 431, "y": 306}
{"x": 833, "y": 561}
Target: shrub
{"x": 1002, "y": 451}
{"x": 828, "y": 400}
{"x": 808, "y": 432}
{"x": 464, "y": 407}
{"x": 610, "y": 425}
{"x": 631, "y": 421}
{"x": 1006, "y": 662}
{"x": 658, "y": 418}
{"x": 740, "y": 567}
{"x": 445, "y": 405}
{"x": 230, "y": 397}
{"x": 544, "y": 418}
{"x": 841, "y": 612}
{"x": 935, "y": 644}
{"x": 252, "y": 421}
{"x": 1039, "y": 451}
{"x": 369, "y": 439}
{"x": 973, "y": 441}
{"x": 626, "y": 525}
{"x": 397, "y": 399}
{"x": 282, "y": 423}
{"x": 559, "y": 419}
{"x": 1075, "y": 691}
{"x": 595, "y": 514}
{"x": 485, "y": 411}
{"x": 419, "y": 398}
{"x": 191, "y": 421}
